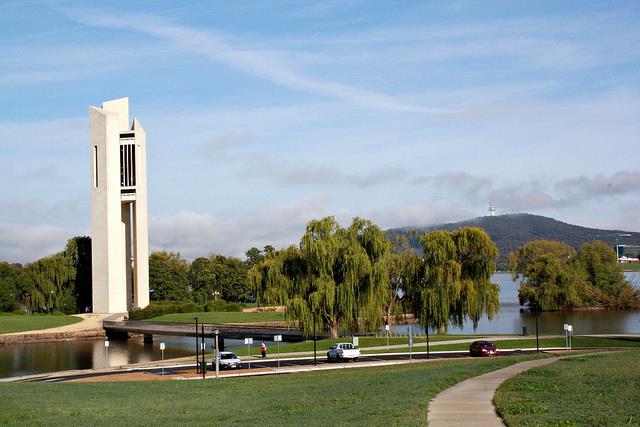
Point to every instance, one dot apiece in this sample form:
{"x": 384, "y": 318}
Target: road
{"x": 270, "y": 365}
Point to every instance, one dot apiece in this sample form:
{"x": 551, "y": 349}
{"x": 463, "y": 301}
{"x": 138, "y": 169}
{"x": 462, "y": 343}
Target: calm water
{"x": 512, "y": 318}
{"x": 29, "y": 359}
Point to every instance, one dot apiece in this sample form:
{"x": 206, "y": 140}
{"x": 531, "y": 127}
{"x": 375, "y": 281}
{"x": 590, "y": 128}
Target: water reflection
{"x": 27, "y": 359}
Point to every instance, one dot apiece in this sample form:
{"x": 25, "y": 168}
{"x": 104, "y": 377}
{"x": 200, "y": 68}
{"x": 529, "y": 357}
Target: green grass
{"x": 10, "y": 322}
{"x": 220, "y": 317}
{"x": 631, "y": 267}
{"x": 324, "y": 344}
{"x": 394, "y": 395}
{"x": 599, "y": 390}
{"x": 577, "y": 342}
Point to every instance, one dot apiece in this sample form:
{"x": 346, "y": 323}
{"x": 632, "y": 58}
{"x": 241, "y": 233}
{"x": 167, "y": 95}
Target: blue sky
{"x": 263, "y": 115}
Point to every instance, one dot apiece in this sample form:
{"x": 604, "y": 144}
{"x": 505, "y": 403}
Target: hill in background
{"x": 509, "y": 232}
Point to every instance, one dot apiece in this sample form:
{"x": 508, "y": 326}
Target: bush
{"x": 220, "y": 305}
{"x": 160, "y": 309}
{"x": 156, "y": 309}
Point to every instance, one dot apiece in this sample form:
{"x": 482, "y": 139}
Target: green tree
{"x": 9, "y": 293}
{"x": 78, "y": 250}
{"x": 548, "y": 278}
{"x": 606, "y": 285}
{"x": 438, "y": 292}
{"x": 233, "y": 279}
{"x": 53, "y": 280}
{"x": 254, "y": 256}
{"x": 402, "y": 266}
{"x": 169, "y": 277}
{"x": 335, "y": 280}
{"x": 203, "y": 280}
{"x": 477, "y": 255}
{"x": 454, "y": 280}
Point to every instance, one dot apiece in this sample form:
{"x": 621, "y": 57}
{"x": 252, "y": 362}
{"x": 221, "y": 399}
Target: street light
{"x": 217, "y": 353}
{"x": 197, "y": 348}
{"x": 162, "y": 356}
{"x": 315, "y": 337}
{"x": 106, "y": 346}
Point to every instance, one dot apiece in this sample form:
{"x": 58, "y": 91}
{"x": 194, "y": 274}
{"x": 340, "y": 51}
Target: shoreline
{"x": 47, "y": 337}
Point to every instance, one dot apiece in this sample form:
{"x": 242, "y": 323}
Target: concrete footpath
{"x": 470, "y": 402}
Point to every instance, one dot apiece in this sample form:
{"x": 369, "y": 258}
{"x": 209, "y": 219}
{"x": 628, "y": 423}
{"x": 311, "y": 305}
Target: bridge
{"x": 121, "y": 330}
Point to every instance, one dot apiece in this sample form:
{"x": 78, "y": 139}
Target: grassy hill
{"x": 509, "y": 232}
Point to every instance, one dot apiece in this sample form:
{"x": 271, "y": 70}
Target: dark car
{"x": 483, "y": 348}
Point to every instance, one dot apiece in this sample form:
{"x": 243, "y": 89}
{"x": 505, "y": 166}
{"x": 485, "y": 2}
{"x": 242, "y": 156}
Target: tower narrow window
{"x": 95, "y": 166}
{"x": 127, "y": 165}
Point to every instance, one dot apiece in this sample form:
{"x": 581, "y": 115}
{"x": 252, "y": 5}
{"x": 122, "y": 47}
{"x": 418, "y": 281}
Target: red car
{"x": 483, "y": 348}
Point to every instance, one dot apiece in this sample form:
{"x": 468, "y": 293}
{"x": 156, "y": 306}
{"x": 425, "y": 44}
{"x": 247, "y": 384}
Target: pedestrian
{"x": 263, "y": 349}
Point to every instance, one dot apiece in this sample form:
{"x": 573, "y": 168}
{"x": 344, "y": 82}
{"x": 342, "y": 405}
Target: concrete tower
{"x": 119, "y": 237}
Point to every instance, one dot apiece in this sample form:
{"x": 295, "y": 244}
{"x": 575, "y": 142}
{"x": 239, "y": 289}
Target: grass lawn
{"x": 394, "y": 395}
{"x": 324, "y": 344}
{"x": 577, "y": 342}
{"x": 594, "y": 390}
{"x": 10, "y": 322}
{"x": 631, "y": 267}
{"x": 220, "y": 317}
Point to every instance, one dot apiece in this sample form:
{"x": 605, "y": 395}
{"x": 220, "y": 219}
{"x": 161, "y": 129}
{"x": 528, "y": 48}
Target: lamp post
{"x": 426, "y": 328}
{"x": 537, "y": 336}
{"x": 315, "y": 361}
{"x": 162, "y": 356}
{"x": 197, "y": 348}
{"x": 217, "y": 354}
{"x": 204, "y": 360}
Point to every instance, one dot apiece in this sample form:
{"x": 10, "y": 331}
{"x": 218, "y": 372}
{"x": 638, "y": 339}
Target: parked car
{"x": 343, "y": 351}
{"x": 483, "y": 348}
{"x": 229, "y": 360}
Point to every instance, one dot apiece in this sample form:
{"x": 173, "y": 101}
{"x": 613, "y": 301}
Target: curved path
{"x": 470, "y": 402}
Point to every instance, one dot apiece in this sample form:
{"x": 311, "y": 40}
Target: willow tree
{"x": 548, "y": 277}
{"x": 477, "y": 255}
{"x": 335, "y": 280}
{"x": 455, "y": 278}
{"x": 436, "y": 296}
{"x": 402, "y": 265}
{"x": 606, "y": 285}
{"x": 53, "y": 280}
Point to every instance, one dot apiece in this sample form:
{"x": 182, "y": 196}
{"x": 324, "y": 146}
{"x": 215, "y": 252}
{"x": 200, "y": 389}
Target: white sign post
{"x": 278, "y": 339}
{"x": 386, "y": 328}
{"x": 570, "y": 332}
{"x": 162, "y": 355}
{"x": 249, "y": 341}
{"x": 566, "y": 336}
{"x": 106, "y": 346}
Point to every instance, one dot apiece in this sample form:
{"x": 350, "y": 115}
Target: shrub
{"x": 220, "y": 305}
{"x": 167, "y": 307}
{"x": 160, "y": 309}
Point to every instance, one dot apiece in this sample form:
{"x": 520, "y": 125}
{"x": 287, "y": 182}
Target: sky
{"x": 263, "y": 115}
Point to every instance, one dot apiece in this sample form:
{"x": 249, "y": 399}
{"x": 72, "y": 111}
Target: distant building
{"x": 119, "y": 237}
{"x": 627, "y": 253}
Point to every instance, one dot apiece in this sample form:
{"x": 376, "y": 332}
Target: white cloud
{"x": 261, "y": 63}
{"x": 25, "y": 243}
{"x": 198, "y": 234}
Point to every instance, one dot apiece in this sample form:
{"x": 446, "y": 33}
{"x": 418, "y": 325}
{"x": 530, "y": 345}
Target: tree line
{"x": 62, "y": 282}
{"x": 57, "y": 283}
{"x": 347, "y": 279}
